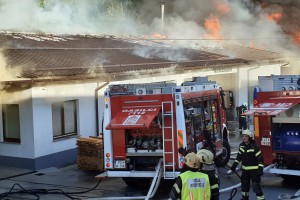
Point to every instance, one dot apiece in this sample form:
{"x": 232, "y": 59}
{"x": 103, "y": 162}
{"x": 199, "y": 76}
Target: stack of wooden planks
{"x": 90, "y": 153}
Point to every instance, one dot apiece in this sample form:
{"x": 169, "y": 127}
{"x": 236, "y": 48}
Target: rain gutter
{"x": 97, "y": 105}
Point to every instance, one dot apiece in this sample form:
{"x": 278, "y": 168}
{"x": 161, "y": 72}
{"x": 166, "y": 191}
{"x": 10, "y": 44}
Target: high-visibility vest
{"x": 195, "y": 186}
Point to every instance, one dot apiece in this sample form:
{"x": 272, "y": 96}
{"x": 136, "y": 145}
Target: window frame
{"x": 62, "y": 105}
{"x": 5, "y": 135}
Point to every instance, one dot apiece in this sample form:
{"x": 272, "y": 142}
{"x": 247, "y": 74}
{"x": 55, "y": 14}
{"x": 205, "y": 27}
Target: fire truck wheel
{"x": 289, "y": 178}
{"x": 223, "y": 159}
{"x": 137, "y": 182}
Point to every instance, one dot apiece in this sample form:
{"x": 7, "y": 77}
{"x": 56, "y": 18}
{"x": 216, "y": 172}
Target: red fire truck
{"x": 146, "y": 123}
{"x": 276, "y": 114}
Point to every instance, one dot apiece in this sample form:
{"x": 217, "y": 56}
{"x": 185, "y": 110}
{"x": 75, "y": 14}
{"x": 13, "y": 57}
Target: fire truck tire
{"x": 223, "y": 159}
{"x": 137, "y": 182}
{"x": 289, "y": 178}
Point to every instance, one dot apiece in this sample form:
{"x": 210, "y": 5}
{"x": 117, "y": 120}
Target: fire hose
{"x": 295, "y": 196}
{"x": 234, "y": 187}
{"x": 152, "y": 190}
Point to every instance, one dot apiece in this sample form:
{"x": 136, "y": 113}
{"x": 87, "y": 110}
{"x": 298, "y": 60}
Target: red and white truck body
{"x": 276, "y": 119}
{"x": 145, "y": 123}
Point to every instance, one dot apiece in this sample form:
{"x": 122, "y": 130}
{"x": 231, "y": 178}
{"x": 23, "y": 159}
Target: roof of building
{"x": 40, "y": 57}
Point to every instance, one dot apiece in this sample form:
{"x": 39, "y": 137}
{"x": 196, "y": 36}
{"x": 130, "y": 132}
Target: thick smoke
{"x": 70, "y": 17}
{"x": 4, "y": 74}
{"x": 244, "y": 22}
{"x": 290, "y": 10}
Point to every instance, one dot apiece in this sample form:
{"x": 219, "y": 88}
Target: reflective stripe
{"x": 245, "y": 194}
{"x": 180, "y": 138}
{"x": 261, "y": 197}
{"x": 237, "y": 161}
{"x": 250, "y": 150}
{"x": 258, "y": 153}
{"x": 261, "y": 165}
{"x": 214, "y": 186}
{"x": 249, "y": 167}
{"x": 191, "y": 195}
{"x": 177, "y": 188}
{"x": 243, "y": 116}
{"x": 241, "y": 149}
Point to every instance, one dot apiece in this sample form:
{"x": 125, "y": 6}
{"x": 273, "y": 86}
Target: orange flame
{"x": 274, "y": 17}
{"x": 154, "y": 36}
{"x": 251, "y": 44}
{"x": 159, "y": 36}
{"x": 222, "y": 7}
{"x": 256, "y": 46}
{"x": 297, "y": 38}
{"x": 213, "y": 26}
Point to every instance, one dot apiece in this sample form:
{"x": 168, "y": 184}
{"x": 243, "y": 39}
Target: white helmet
{"x": 245, "y": 104}
{"x": 206, "y": 156}
{"x": 192, "y": 160}
{"x": 247, "y": 132}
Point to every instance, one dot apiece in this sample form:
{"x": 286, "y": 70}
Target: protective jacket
{"x": 191, "y": 185}
{"x": 213, "y": 180}
{"x": 242, "y": 118}
{"x": 250, "y": 156}
{"x": 252, "y": 168}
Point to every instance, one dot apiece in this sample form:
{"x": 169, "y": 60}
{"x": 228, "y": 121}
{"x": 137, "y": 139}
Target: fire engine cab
{"x": 147, "y": 123}
{"x": 276, "y": 114}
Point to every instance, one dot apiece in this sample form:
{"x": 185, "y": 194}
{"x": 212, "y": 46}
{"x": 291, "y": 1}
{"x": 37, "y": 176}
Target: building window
{"x": 11, "y": 123}
{"x": 64, "y": 119}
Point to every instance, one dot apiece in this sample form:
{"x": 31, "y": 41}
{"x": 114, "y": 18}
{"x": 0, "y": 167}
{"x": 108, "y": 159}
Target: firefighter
{"x": 251, "y": 159}
{"x": 207, "y": 166}
{"x": 191, "y": 184}
{"x": 242, "y": 118}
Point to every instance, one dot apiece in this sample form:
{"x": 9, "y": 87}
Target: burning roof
{"x": 40, "y": 57}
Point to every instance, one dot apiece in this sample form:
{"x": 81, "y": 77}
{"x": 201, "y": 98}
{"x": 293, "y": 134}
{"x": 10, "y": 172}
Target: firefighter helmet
{"x": 192, "y": 161}
{"x": 247, "y": 132}
{"x": 206, "y": 156}
{"x": 245, "y": 104}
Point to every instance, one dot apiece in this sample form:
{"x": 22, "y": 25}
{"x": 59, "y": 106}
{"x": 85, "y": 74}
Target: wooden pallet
{"x": 90, "y": 153}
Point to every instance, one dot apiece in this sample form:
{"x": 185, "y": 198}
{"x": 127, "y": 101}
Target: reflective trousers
{"x": 253, "y": 175}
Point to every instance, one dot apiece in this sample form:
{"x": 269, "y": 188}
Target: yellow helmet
{"x": 247, "y": 132}
{"x": 192, "y": 160}
{"x": 205, "y": 156}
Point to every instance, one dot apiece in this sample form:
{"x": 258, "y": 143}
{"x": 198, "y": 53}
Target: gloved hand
{"x": 260, "y": 171}
{"x": 233, "y": 167}
{"x": 182, "y": 151}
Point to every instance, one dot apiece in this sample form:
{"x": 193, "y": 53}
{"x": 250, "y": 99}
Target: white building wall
{"x": 25, "y": 149}
{"x": 36, "y": 111}
{"x": 248, "y": 77}
{"x": 43, "y": 97}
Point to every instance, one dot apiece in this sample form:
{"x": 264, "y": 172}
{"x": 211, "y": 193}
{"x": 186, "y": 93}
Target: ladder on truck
{"x": 168, "y": 139}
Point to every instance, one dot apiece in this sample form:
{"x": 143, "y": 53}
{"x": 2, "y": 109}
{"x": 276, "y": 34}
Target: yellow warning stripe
{"x": 180, "y": 138}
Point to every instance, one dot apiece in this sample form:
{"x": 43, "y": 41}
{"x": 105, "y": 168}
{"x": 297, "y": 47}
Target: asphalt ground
{"x": 72, "y": 183}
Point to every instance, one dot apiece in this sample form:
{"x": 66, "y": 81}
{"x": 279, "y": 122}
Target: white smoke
{"x": 69, "y": 17}
{"x": 5, "y": 74}
{"x": 166, "y": 54}
{"x": 241, "y": 22}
